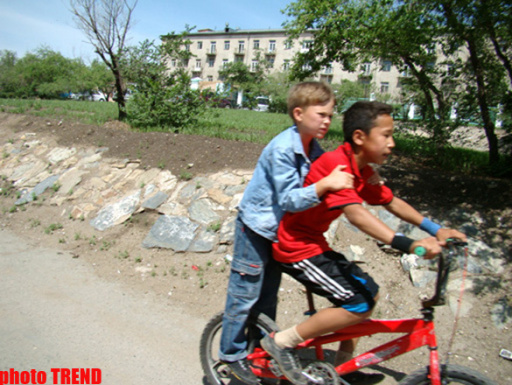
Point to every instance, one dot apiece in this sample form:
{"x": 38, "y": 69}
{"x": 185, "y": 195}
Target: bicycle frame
{"x": 418, "y": 332}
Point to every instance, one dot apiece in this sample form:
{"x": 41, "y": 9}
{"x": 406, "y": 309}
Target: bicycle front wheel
{"x": 450, "y": 374}
{"x": 215, "y": 371}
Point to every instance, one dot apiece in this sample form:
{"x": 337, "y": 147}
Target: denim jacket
{"x": 277, "y": 183}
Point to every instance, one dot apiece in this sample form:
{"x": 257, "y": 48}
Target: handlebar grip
{"x": 420, "y": 251}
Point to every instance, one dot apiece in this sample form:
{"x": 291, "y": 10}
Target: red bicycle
{"x": 415, "y": 333}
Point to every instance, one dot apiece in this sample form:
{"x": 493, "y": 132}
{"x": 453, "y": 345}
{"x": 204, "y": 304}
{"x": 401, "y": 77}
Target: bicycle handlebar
{"x": 420, "y": 251}
{"x": 444, "y": 263}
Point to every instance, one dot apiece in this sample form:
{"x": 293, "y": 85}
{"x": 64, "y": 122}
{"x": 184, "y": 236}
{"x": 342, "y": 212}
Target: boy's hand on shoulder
{"x": 339, "y": 179}
{"x": 335, "y": 181}
{"x": 443, "y": 234}
{"x": 431, "y": 245}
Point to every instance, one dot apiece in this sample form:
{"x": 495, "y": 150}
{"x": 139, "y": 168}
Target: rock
{"x": 171, "y": 232}
{"x": 116, "y": 213}
{"x": 38, "y": 190}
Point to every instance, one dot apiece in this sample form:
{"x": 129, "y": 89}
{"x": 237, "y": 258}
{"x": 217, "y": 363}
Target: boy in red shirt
{"x": 302, "y": 249}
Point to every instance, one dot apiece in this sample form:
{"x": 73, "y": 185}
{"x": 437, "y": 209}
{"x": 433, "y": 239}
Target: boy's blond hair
{"x": 307, "y": 94}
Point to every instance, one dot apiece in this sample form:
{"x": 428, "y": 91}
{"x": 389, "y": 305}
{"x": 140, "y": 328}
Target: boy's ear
{"x": 297, "y": 114}
{"x": 358, "y": 137}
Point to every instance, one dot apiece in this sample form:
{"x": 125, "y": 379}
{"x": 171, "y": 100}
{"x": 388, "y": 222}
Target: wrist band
{"x": 402, "y": 243}
{"x": 430, "y": 227}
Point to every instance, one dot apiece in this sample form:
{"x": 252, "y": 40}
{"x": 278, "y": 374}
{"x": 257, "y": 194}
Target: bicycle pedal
{"x": 274, "y": 368}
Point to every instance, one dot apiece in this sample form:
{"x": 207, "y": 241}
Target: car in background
{"x": 98, "y": 96}
{"x": 262, "y": 103}
{"x": 215, "y": 100}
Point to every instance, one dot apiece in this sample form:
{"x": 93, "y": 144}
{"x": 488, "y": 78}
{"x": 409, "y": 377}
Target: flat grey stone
{"x": 171, "y": 232}
{"x": 37, "y": 190}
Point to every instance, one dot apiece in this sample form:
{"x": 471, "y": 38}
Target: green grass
{"x": 71, "y": 110}
{"x": 257, "y": 127}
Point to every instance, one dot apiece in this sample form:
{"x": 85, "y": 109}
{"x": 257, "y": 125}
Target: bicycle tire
{"x": 450, "y": 374}
{"x": 213, "y": 369}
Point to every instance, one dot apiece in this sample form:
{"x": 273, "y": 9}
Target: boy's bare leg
{"x": 329, "y": 320}
{"x": 345, "y": 351}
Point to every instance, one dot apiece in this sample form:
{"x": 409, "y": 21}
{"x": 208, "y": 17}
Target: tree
{"x": 8, "y": 75}
{"x": 482, "y": 28}
{"x": 247, "y": 80}
{"x": 106, "y": 24}
{"x": 162, "y": 98}
{"x": 443, "y": 46}
{"x": 352, "y": 33}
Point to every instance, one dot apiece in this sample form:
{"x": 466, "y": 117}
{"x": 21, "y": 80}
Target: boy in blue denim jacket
{"x": 276, "y": 187}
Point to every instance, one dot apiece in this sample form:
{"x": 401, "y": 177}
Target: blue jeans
{"x": 253, "y": 287}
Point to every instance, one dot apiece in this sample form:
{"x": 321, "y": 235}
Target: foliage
{"x": 49, "y": 75}
{"x": 162, "y": 98}
{"x": 249, "y": 81}
{"x": 276, "y": 86}
{"x": 451, "y": 51}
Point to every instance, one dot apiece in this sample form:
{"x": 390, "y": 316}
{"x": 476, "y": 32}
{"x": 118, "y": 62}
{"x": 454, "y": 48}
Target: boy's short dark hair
{"x": 361, "y": 116}
{"x": 309, "y": 93}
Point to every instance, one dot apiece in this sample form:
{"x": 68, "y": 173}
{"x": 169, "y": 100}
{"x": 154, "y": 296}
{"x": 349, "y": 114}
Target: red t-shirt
{"x": 301, "y": 235}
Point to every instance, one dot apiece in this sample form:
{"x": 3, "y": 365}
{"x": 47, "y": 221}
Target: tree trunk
{"x": 483, "y": 101}
{"x": 120, "y": 89}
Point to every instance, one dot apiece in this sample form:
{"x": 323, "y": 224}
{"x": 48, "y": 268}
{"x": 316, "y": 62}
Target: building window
{"x": 173, "y": 63}
{"x": 306, "y": 67}
{"x": 406, "y": 72}
{"x": 288, "y": 44}
{"x": 326, "y": 78}
{"x": 307, "y": 44}
{"x": 241, "y": 46}
{"x": 239, "y": 59}
{"x": 224, "y": 63}
{"x": 366, "y": 68}
{"x": 256, "y": 44}
{"x": 198, "y": 63}
{"x": 199, "y": 45}
{"x": 271, "y": 61}
{"x": 209, "y": 78}
{"x": 211, "y": 62}
{"x": 254, "y": 65}
{"x": 286, "y": 65}
{"x": 226, "y": 45}
{"x": 213, "y": 47}
{"x": 184, "y": 63}
{"x": 271, "y": 46}
{"x": 187, "y": 47}
{"x": 384, "y": 87}
{"x": 386, "y": 66}
{"x": 328, "y": 69}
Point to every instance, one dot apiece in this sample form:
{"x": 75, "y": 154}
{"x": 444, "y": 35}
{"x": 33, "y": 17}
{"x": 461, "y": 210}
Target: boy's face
{"x": 378, "y": 145}
{"x": 314, "y": 121}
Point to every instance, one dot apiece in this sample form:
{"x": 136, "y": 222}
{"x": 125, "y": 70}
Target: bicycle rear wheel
{"x": 215, "y": 371}
{"x": 450, "y": 374}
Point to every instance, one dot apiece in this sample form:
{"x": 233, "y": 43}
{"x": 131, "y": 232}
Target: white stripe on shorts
{"x": 316, "y": 275}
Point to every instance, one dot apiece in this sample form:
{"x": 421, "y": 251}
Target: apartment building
{"x": 214, "y": 49}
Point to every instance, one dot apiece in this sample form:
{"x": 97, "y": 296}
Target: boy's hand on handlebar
{"x": 339, "y": 180}
{"x": 430, "y": 244}
{"x": 443, "y": 234}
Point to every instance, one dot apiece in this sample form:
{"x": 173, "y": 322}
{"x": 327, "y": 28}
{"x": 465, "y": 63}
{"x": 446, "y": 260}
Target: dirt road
{"x": 57, "y": 314}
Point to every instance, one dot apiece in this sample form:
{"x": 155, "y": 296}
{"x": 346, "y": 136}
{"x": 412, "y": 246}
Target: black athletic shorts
{"x": 332, "y": 276}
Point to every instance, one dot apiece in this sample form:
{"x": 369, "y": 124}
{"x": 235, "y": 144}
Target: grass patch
{"x": 260, "y": 127}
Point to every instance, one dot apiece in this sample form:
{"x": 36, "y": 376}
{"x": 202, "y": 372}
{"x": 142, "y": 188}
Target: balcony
{"x": 240, "y": 51}
{"x": 212, "y": 51}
